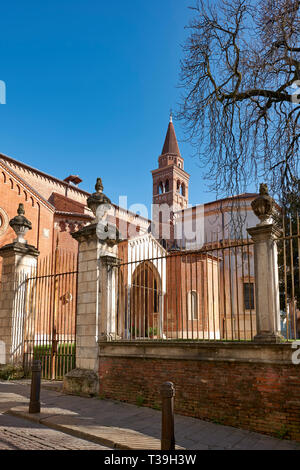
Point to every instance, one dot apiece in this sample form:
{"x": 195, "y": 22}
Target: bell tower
{"x": 170, "y": 181}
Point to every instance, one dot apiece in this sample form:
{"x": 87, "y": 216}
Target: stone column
{"x": 95, "y": 317}
{"x": 96, "y": 296}
{"x": 265, "y": 237}
{"x": 108, "y": 289}
{"x": 19, "y": 261}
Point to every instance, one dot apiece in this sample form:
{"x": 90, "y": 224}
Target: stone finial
{"x": 99, "y": 185}
{"x": 263, "y": 205}
{"x": 98, "y": 198}
{"x": 20, "y": 225}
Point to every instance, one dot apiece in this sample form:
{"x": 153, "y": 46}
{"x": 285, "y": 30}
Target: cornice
{"x": 173, "y": 168}
{"x": 19, "y": 248}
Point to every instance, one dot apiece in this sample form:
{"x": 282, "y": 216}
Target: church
{"x": 187, "y": 273}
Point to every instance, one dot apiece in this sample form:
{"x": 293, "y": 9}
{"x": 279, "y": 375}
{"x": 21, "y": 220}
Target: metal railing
{"x": 289, "y": 278}
{"x": 44, "y": 315}
{"x": 206, "y": 294}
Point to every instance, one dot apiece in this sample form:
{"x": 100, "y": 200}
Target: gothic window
{"x": 167, "y": 186}
{"x": 182, "y": 192}
{"x": 160, "y": 188}
{"x": 192, "y": 305}
{"x": 178, "y": 186}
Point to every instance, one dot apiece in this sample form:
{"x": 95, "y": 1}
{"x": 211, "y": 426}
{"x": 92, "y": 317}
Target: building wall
{"x": 187, "y": 275}
{"x": 44, "y": 184}
{"x": 12, "y": 193}
{"x": 216, "y": 225}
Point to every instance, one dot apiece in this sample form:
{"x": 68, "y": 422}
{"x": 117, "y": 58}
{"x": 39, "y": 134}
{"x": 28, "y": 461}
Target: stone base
{"x": 268, "y": 338}
{"x": 81, "y": 382}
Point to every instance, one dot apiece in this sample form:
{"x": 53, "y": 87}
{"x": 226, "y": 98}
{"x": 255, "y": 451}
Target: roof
{"x": 237, "y": 197}
{"x": 73, "y": 179}
{"x": 171, "y": 144}
{"x": 66, "y": 204}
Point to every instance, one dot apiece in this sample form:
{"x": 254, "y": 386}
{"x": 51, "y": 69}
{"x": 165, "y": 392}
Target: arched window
{"x": 167, "y": 186}
{"x": 160, "y": 188}
{"x": 182, "y": 192}
{"x": 178, "y": 186}
{"x": 192, "y": 305}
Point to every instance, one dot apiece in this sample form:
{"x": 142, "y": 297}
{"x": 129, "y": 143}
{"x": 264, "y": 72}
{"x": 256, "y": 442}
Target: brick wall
{"x": 254, "y": 394}
{"x": 12, "y": 193}
{"x": 44, "y": 184}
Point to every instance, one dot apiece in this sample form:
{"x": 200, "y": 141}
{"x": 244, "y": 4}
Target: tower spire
{"x": 171, "y": 145}
{"x": 170, "y": 184}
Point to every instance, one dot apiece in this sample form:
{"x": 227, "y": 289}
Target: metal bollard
{"x": 35, "y": 405}
{"x": 167, "y": 392}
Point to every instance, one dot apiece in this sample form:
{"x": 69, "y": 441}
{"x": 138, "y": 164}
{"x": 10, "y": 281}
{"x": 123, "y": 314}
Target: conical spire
{"x": 171, "y": 144}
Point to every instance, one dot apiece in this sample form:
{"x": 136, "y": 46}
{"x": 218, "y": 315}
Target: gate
{"x": 50, "y": 315}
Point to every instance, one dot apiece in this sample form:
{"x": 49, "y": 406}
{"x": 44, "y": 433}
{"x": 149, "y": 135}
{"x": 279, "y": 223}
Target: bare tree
{"x": 240, "y": 102}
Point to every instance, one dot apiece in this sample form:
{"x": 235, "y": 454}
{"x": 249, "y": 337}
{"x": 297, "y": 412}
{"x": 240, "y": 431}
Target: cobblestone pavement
{"x": 19, "y": 434}
{"x": 118, "y": 419}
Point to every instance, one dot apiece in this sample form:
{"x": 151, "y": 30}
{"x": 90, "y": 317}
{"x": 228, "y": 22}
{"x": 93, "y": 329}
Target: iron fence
{"x": 289, "y": 279}
{"x": 206, "y": 294}
{"x": 44, "y": 315}
{"x": 50, "y": 327}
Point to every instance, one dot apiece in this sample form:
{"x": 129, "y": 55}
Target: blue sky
{"x": 89, "y": 88}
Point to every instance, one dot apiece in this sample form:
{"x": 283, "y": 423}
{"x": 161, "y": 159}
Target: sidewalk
{"x": 124, "y": 426}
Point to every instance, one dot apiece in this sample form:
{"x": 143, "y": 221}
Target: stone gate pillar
{"x": 96, "y": 295}
{"x": 267, "y": 303}
{"x": 19, "y": 261}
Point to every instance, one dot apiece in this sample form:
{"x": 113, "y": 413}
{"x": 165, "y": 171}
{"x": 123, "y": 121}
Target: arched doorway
{"x": 145, "y": 301}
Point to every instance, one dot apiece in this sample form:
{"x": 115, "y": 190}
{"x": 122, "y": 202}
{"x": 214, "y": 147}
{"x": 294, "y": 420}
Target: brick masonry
{"x": 262, "y": 396}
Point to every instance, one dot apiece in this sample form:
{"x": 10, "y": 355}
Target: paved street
{"x": 20, "y": 434}
{"x": 113, "y": 424}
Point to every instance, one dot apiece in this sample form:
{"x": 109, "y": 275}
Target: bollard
{"x": 167, "y": 392}
{"x": 35, "y": 405}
